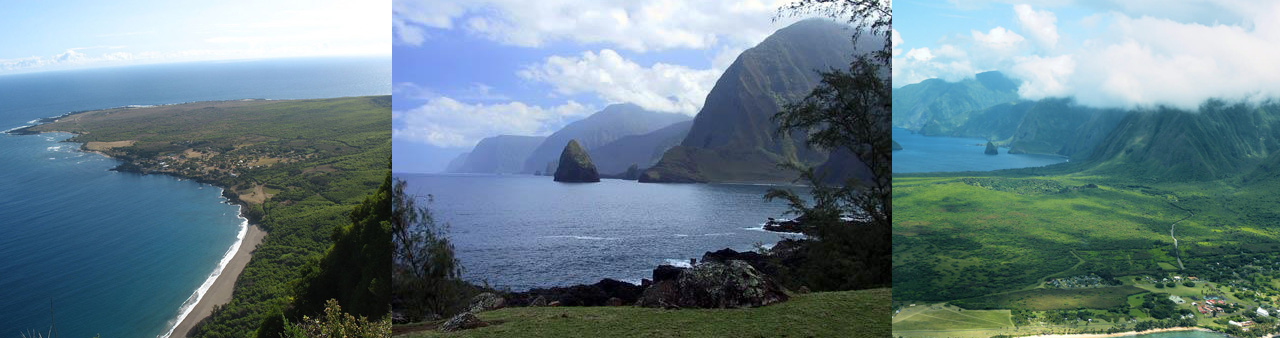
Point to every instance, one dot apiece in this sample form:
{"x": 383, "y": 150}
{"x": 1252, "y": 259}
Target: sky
{"x": 58, "y": 35}
{"x": 1103, "y": 53}
{"x": 466, "y": 70}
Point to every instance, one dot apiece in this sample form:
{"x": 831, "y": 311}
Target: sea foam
{"x": 196, "y": 296}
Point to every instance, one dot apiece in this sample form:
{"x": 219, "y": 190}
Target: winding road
{"x": 1175, "y": 239}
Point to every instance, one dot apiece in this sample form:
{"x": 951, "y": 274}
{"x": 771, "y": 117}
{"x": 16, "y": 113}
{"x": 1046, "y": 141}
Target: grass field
{"x": 941, "y": 317}
{"x": 989, "y": 241}
{"x": 1056, "y": 299}
{"x": 820, "y": 314}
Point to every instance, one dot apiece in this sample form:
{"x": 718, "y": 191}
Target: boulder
{"x": 660, "y": 295}
{"x": 666, "y": 272}
{"x": 463, "y": 321}
{"x": 575, "y": 165}
{"x": 486, "y": 301}
{"x": 727, "y": 285}
{"x": 755, "y": 259}
{"x": 714, "y": 284}
{"x": 727, "y": 254}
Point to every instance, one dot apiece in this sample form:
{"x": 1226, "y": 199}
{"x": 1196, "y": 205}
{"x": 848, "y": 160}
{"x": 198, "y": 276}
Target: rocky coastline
{"x": 724, "y": 278}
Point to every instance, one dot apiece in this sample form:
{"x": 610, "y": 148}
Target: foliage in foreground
{"x": 335, "y": 323}
{"x": 848, "y": 113}
{"x": 426, "y": 272}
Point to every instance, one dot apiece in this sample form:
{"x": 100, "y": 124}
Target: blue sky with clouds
{"x": 54, "y": 35}
{"x": 465, "y": 70}
{"x": 1106, "y": 53}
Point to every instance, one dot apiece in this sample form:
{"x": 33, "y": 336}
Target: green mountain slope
{"x": 640, "y": 150}
{"x": 1218, "y": 140}
{"x": 733, "y": 138}
{"x": 936, "y": 101}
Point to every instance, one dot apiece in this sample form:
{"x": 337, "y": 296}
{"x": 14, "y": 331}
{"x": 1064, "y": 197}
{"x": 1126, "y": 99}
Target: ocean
{"x": 921, "y": 154}
{"x": 115, "y": 254}
{"x": 520, "y": 231}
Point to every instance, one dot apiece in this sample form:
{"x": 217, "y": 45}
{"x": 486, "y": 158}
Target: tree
{"x": 848, "y": 112}
{"x": 426, "y": 271}
{"x": 851, "y": 110}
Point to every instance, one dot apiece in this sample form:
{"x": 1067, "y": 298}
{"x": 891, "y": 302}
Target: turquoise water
{"x": 120, "y": 254}
{"x": 1181, "y": 334}
{"x": 938, "y": 154}
{"x": 522, "y": 231}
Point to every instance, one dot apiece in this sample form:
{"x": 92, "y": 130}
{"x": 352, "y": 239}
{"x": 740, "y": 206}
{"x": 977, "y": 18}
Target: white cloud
{"x": 1041, "y": 26}
{"x": 896, "y": 40}
{"x": 660, "y": 87}
{"x": 1149, "y": 61}
{"x": 920, "y": 54}
{"x": 1044, "y": 77}
{"x": 998, "y": 39}
{"x": 630, "y": 25}
{"x": 448, "y": 123}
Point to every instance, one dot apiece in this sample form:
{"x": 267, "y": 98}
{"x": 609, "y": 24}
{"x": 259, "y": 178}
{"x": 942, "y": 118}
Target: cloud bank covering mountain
{"x": 1117, "y": 54}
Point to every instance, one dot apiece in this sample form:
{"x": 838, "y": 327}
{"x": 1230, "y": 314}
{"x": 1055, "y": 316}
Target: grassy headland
{"x": 296, "y": 166}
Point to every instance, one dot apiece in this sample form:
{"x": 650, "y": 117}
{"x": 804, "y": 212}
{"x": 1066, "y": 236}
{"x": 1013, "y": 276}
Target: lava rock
{"x": 666, "y": 272}
{"x": 463, "y": 321}
{"x": 715, "y": 284}
{"x": 575, "y": 165}
{"x": 487, "y": 301}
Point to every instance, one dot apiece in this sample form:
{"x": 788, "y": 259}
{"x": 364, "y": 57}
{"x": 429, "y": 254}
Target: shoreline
{"x": 1120, "y": 334}
{"x": 216, "y": 290}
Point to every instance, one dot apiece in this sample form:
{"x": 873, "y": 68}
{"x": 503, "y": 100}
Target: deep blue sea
{"x": 120, "y": 254}
{"x": 937, "y": 154}
{"x": 521, "y": 231}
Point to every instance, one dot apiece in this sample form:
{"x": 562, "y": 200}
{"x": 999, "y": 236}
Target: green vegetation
{"x": 993, "y": 240}
{"x": 575, "y": 165}
{"x": 336, "y": 323}
{"x": 818, "y": 314}
{"x": 1053, "y": 299}
{"x": 734, "y": 137}
{"x": 298, "y": 168}
{"x": 938, "y": 317}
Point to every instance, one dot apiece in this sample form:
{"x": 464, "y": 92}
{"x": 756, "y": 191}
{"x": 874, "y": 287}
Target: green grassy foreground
{"x": 820, "y": 314}
{"x": 991, "y": 241}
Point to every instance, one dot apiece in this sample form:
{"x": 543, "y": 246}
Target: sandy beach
{"x": 220, "y": 292}
{"x": 1120, "y": 334}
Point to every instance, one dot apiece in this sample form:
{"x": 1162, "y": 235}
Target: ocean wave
{"x": 18, "y": 127}
{"x": 589, "y": 238}
{"x": 683, "y": 263}
{"x": 190, "y": 303}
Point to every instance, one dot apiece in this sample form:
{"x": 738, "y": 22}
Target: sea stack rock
{"x": 991, "y": 149}
{"x": 575, "y": 165}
